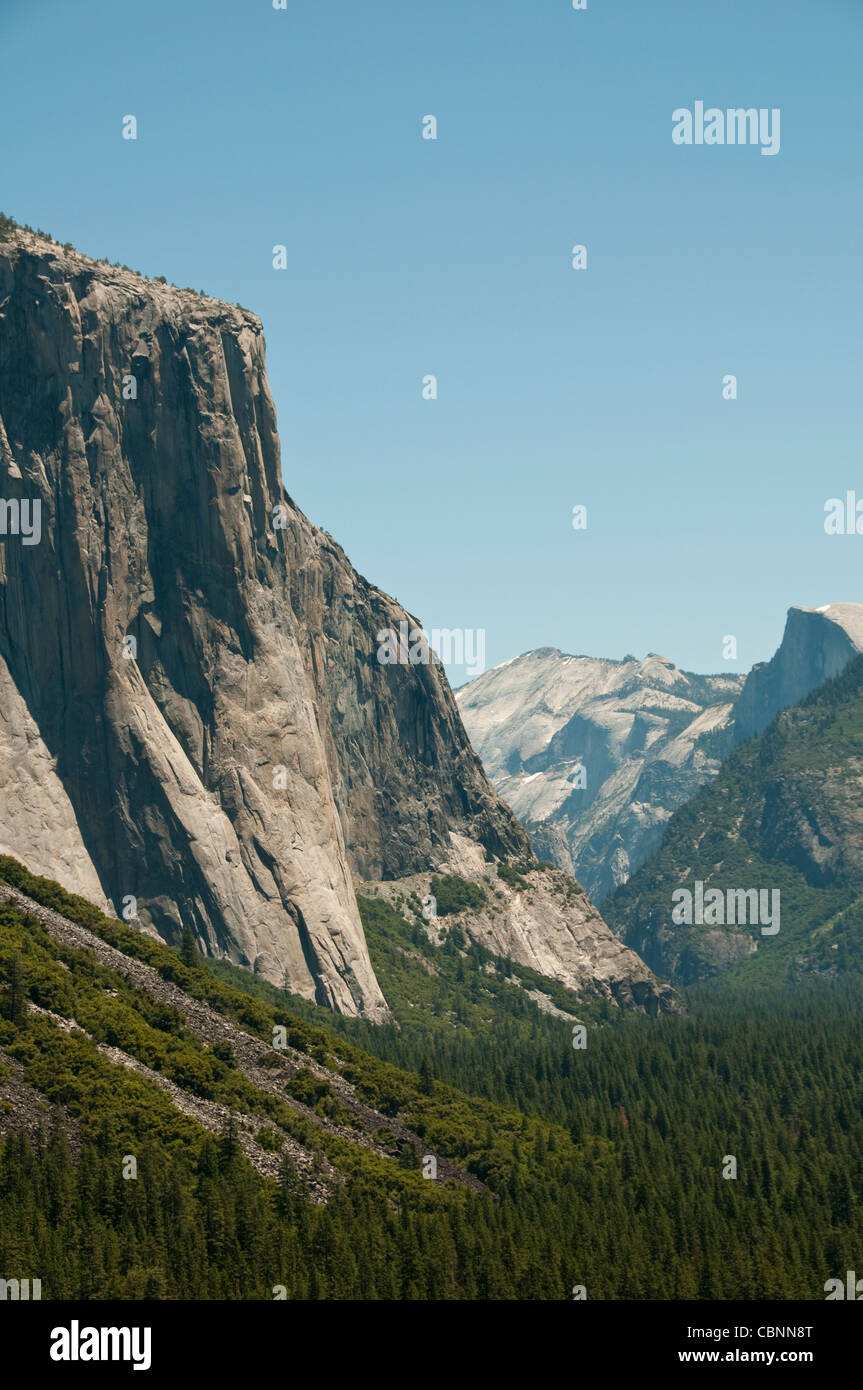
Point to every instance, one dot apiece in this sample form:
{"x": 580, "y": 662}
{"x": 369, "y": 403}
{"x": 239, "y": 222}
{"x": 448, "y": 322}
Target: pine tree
{"x": 188, "y": 949}
{"x": 291, "y": 1187}
{"x": 15, "y": 1002}
{"x": 229, "y": 1143}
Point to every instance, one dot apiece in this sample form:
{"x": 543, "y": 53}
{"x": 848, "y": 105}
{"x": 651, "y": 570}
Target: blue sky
{"x": 452, "y": 257}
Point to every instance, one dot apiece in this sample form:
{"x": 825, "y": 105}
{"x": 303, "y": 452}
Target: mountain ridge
{"x": 538, "y": 718}
{"x": 643, "y": 733}
{"x": 782, "y": 815}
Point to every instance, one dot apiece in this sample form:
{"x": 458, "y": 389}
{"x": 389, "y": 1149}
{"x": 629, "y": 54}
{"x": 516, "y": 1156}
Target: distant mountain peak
{"x": 593, "y": 754}
{"x": 817, "y": 643}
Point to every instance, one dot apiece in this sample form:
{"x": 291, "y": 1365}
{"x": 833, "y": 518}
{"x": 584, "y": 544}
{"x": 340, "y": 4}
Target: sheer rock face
{"x": 196, "y": 771}
{"x": 191, "y": 702}
{"x": 194, "y": 716}
{"x": 404, "y": 774}
{"x": 817, "y": 643}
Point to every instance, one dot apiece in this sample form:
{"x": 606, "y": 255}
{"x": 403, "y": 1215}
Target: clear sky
{"x": 409, "y": 257}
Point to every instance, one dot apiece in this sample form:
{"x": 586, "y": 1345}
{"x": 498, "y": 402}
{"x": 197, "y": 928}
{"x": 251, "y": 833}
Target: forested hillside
{"x": 303, "y": 1167}
{"x": 785, "y": 813}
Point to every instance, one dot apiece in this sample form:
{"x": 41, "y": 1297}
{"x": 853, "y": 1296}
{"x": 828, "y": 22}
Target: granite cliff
{"x": 195, "y": 728}
{"x": 817, "y": 643}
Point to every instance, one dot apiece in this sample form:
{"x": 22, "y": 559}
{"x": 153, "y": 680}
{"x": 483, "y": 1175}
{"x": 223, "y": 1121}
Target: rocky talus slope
{"x": 266, "y": 1067}
{"x": 541, "y": 918}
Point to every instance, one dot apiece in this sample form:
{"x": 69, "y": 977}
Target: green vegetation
{"x": 454, "y": 894}
{"x": 602, "y": 1166}
{"x": 511, "y": 876}
{"x": 782, "y": 814}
